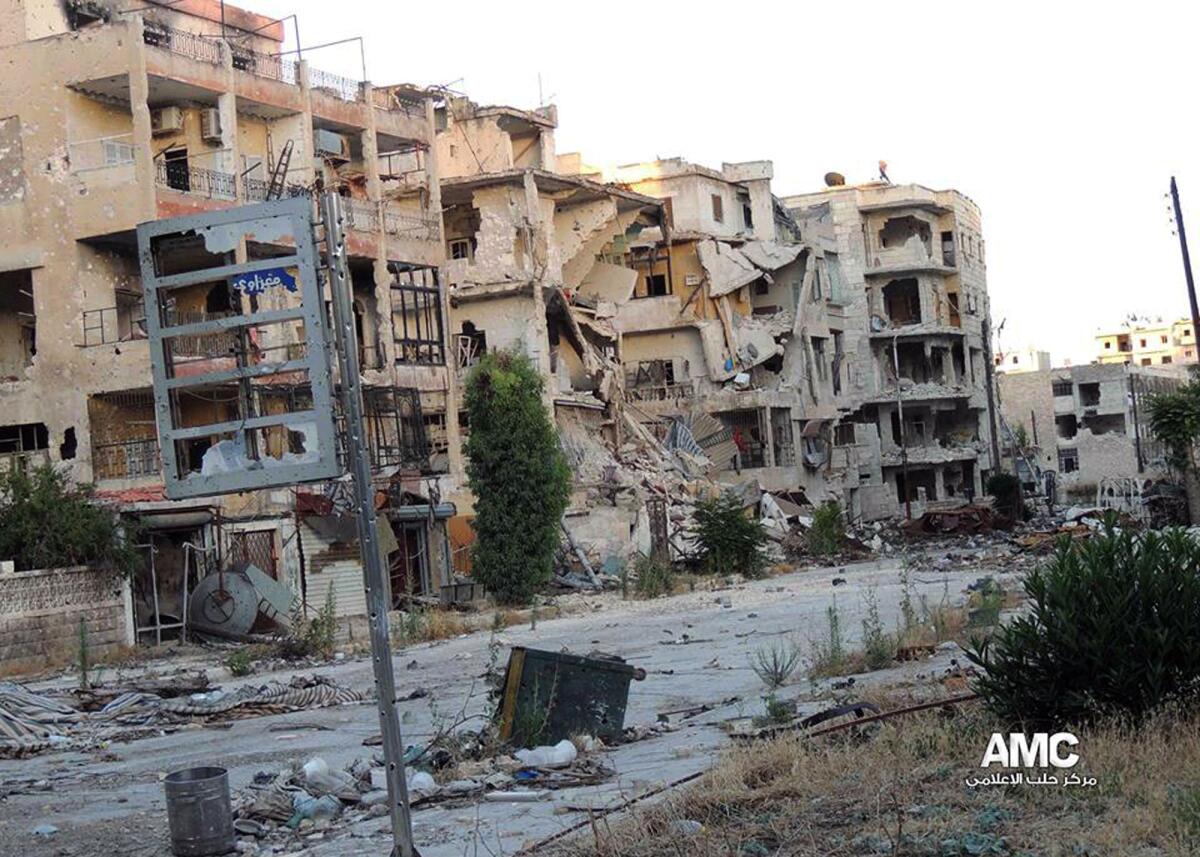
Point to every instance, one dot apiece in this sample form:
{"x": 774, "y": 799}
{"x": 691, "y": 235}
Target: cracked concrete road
{"x": 117, "y": 806}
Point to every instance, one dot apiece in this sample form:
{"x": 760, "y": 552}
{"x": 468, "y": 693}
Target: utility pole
{"x": 1187, "y": 263}
{"x": 903, "y": 432}
{"x": 368, "y": 536}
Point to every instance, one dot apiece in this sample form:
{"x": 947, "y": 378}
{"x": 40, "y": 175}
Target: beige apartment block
{"x": 115, "y": 113}
{"x": 1142, "y": 342}
{"x": 914, "y": 287}
{"x": 1085, "y": 424}
{"x": 1021, "y": 360}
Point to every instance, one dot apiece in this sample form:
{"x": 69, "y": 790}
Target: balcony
{"x": 266, "y": 65}
{"x": 341, "y": 88}
{"x": 182, "y": 42}
{"x": 404, "y": 224}
{"x": 196, "y": 181}
{"x": 675, "y": 392}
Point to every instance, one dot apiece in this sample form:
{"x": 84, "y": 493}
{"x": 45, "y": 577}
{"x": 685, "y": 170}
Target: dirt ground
{"x": 112, "y": 802}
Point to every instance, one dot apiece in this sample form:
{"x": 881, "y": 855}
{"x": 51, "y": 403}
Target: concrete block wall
{"x": 40, "y": 612}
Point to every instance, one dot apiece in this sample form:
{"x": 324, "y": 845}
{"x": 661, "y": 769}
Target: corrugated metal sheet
{"x": 328, "y": 562}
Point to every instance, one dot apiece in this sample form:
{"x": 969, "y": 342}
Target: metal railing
{"x": 182, "y": 42}
{"x": 266, "y": 65}
{"x": 362, "y": 215}
{"x": 126, "y": 459}
{"x": 121, "y": 323}
{"x": 221, "y": 344}
{"x": 682, "y": 390}
{"x": 201, "y": 181}
{"x": 336, "y": 85}
{"x": 255, "y": 190}
{"x": 404, "y": 225}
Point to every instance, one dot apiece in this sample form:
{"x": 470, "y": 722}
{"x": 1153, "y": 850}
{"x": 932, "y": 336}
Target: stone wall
{"x": 40, "y": 612}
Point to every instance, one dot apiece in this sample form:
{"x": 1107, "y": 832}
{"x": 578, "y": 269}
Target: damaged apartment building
{"x": 911, "y": 315}
{"x": 126, "y": 112}
{"x": 1070, "y": 429}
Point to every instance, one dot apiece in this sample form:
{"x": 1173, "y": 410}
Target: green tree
{"x": 518, "y": 474}
{"x": 47, "y": 521}
{"x": 1174, "y": 419}
{"x": 729, "y": 541}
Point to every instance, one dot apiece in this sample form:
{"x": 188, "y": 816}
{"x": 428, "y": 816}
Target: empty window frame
{"x": 1068, "y": 460}
{"x": 417, "y": 317}
{"x": 718, "y": 208}
{"x": 843, "y": 434}
{"x": 460, "y": 248}
{"x": 657, "y": 285}
{"x": 1062, "y": 388}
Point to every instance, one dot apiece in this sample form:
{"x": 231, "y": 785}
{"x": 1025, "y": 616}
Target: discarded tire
{"x": 199, "y": 812}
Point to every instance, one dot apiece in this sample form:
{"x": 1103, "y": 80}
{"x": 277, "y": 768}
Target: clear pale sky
{"x": 1064, "y": 121}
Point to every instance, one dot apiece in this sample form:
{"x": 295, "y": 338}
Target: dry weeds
{"x": 899, "y": 789}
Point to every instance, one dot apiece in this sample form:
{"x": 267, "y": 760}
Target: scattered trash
{"x": 686, "y": 827}
{"x": 45, "y": 831}
{"x": 559, "y": 756}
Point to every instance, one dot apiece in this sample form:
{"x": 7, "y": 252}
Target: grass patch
{"x": 898, "y": 788}
{"x": 654, "y": 578}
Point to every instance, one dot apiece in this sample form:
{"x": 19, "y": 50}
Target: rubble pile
{"x": 32, "y": 723}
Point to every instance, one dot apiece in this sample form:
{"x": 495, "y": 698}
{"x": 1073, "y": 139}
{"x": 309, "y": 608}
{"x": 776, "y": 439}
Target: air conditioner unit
{"x": 166, "y": 120}
{"x": 330, "y": 144}
{"x": 210, "y": 125}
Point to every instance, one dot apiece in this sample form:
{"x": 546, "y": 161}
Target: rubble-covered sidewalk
{"x": 694, "y": 647}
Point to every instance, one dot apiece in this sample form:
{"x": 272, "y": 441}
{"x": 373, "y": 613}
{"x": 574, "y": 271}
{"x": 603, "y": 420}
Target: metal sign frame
{"x": 224, "y": 231}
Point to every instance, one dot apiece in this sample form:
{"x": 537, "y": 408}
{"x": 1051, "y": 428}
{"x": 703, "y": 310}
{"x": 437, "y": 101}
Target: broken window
{"x": 843, "y": 434}
{"x": 23, "y": 446}
{"x": 124, "y": 436}
{"x": 175, "y": 163}
{"x": 1062, "y": 387}
{"x": 1106, "y": 424}
{"x": 902, "y": 301}
{"x": 1146, "y": 361}
{"x": 749, "y": 437}
{"x": 1068, "y": 460}
{"x": 1089, "y": 394}
{"x": 782, "y": 436}
{"x": 1166, "y": 358}
{"x": 460, "y": 248}
{"x": 18, "y": 324}
{"x": 395, "y": 428}
{"x": 417, "y": 315}
{"x": 1143, "y": 343}
{"x": 747, "y": 211}
{"x": 718, "y": 208}
{"x": 907, "y": 231}
{"x": 835, "y": 365}
{"x": 818, "y": 347}
{"x": 472, "y": 345}
{"x": 837, "y": 283}
{"x": 657, "y": 285}
{"x": 1066, "y": 425}
{"x": 948, "y": 249}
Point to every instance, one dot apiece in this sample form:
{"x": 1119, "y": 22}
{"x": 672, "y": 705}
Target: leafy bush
{"x": 518, "y": 474}
{"x": 1006, "y": 488}
{"x": 1114, "y": 628}
{"x": 828, "y": 529}
{"x": 730, "y": 542}
{"x": 654, "y": 578}
{"x": 315, "y": 637}
{"x": 47, "y": 521}
{"x": 879, "y": 647}
{"x": 239, "y": 663}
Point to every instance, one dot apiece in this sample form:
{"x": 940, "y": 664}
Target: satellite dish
{"x": 834, "y": 180}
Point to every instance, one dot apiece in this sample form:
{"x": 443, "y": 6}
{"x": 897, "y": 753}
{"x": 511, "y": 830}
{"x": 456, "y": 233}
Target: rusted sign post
{"x": 272, "y": 327}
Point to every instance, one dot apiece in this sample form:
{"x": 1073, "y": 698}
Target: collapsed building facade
{"x": 693, "y": 329}
{"x": 129, "y": 112}
{"x": 1067, "y": 430}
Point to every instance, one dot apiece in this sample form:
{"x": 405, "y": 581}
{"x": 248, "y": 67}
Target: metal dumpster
{"x": 549, "y": 696}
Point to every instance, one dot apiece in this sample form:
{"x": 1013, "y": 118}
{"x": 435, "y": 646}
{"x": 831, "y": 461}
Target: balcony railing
{"x": 207, "y": 345}
{"x": 266, "y": 65}
{"x": 336, "y": 85}
{"x": 361, "y": 215}
{"x": 199, "y": 181}
{"x": 182, "y": 42}
{"x": 126, "y": 459}
{"x": 661, "y": 392}
{"x": 121, "y": 323}
{"x": 404, "y": 225}
{"x": 255, "y": 190}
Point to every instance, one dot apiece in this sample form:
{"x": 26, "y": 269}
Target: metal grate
{"x": 127, "y": 459}
{"x": 266, "y": 65}
{"x": 335, "y": 85}
{"x": 256, "y": 547}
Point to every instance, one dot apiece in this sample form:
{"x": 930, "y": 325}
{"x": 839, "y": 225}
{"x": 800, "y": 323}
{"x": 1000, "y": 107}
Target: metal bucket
{"x": 199, "y": 812}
